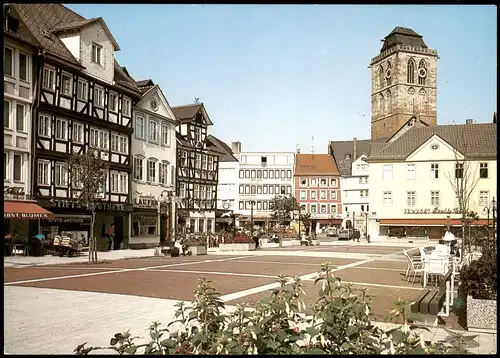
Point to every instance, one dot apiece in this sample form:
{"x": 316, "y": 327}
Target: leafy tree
{"x": 282, "y": 207}
{"x": 88, "y": 174}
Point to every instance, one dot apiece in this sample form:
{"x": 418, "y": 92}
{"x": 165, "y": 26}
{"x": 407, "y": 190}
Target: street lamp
{"x": 252, "y": 203}
{"x": 300, "y": 210}
{"x": 168, "y": 196}
{"x": 492, "y": 208}
{"x": 366, "y": 223}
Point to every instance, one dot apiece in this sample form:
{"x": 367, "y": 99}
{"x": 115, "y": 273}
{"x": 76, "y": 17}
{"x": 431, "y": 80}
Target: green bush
{"x": 339, "y": 324}
{"x": 479, "y": 278}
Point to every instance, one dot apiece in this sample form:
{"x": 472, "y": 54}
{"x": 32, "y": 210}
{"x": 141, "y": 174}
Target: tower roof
{"x": 402, "y": 36}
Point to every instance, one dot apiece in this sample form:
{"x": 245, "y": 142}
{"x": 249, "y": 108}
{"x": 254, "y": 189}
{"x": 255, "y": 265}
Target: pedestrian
{"x": 111, "y": 236}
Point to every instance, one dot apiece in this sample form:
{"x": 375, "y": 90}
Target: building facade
{"x": 262, "y": 176}
{"x": 317, "y": 189}
{"x": 154, "y": 156}
{"x": 403, "y": 83}
{"x": 197, "y": 169}
{"x": 84, "y": 100}
{"x": 414, "y": 178}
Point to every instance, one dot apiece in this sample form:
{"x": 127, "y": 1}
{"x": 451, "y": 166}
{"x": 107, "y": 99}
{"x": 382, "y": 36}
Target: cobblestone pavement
{"x": 61, "y": 305}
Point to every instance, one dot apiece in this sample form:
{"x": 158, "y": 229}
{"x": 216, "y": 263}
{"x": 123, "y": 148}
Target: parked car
{"x": 346, "y": 234}
{"x": 331, "y": 232}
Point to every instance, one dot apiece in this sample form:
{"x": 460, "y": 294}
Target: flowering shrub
{"x": 278, "y": 325}
{"x": 193, "y": 240}
{"x": 239, "y": 238}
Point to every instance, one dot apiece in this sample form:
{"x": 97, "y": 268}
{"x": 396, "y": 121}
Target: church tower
{"x": 403, "y": 83}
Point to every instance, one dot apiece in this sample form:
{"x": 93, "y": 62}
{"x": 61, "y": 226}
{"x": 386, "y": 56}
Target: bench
{"x": 430, "y": 301}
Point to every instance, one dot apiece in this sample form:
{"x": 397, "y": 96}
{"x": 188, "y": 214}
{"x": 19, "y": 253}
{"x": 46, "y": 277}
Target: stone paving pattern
{"x": 60, "y": 302}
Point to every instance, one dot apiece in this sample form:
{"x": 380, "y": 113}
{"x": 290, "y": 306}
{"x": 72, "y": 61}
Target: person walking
{"x": 111, "y": 236}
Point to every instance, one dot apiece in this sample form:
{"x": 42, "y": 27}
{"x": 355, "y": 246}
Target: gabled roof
{"x": 77, "y": 25}
{"x": 416, "y": 122}
{"x": 341, "y": 149}
{"x": 211, "y": 147}
{"x": 22, "y": 34}
{"x": 148, "y": 91}
{"x": 478, "y": 140}
{"x": 402, "y": 36}
{"x": 188, "y": 112}
{"x": 145, "y": 85}
{"x": 227, "y": 153}
{"x": 312, "y": 164}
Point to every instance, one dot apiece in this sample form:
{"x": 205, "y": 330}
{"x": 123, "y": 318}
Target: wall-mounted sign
{"x": 436, "y": 211}
{"x": 73, "y": 204}
{"x": 25, "y": 216}
{"x": 149, "y": 202}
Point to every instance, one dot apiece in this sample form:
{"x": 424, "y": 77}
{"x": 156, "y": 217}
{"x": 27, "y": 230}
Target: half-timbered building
{"x": 84, "y": 99}
{"x": 154, "y": 160}
{"x": 197, "y": 169}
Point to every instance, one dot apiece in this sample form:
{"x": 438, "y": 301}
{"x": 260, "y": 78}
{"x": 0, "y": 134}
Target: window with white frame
{"x": 61, "y": 129}
{"x": 43, "y": 172}
{"x": 204, "y": 162}
{"x": 197, "y": 134}
{"x": 259, "y": 189}
{"x": 126, "y": 105}
{"x": 8, "y": 61}
{"x": 210, "y": 163}
{"x": 153, "y": 131}
{"x": 196, "y": 191}
{"x": 387, "y": 198}
{"x": 6, "y": 114}
{"x": 98, "y": 97}
{"x": 77, "y": 132}
{"x": 434, "y": 198}
{"x": 18, "y": 167}
{"x": 289, "y": 174}
{"x": 203, "y": 192}
{"x": 119, "y": 183}
{"x": 165, "y": 134}
{"x": 242, "y": 205}
{"x": 313, "y": 181}
{"x": 82, "y": 90}
{"x": 23, "y": 67}
{"x": 387, "y": 172}
{"x": 264, "y": 205}
{"x": 264, "y": 189}
{"x": 247, "y": 189}
{"x": 459, "y": 170}
{"x": 322, "y": 195}
{"x": 123, "y": 183}
{"x": 242, "y": 173}
{"x": 411, "y": 172}
{"x": 119, "y": 143}
{"x": 163, "y": 169}
{"x": 333, "y": 195}
{"x": 97, "y": 54}
{"x": 411, "y": 198}
{"x": 5, "y": 166}
{"x": 113, "y": 102}
{"x": 44, "y": 125}
{"x": 242, "y": 189}
{"x": 264, "y": 174}
{"x": 363, "y": 193}
{"x": 322, "y": 182}
{"x": 483, "y": 170}
{"x": 151, "y": 171}
{"x": 313, "y": 209}
{"x": 484, "y": 197}
{"x": 289, "y": 189}
{"x": 323, "y": 209}
{"x": 20, "y": 117}
{"x": 271, "y": 174}
{"x": 138, "y": 168}
{"x": 362, "y": 166}
{"x": 184, "y": 158}
{"x": 313, "y": 195}
{"x": 61, "y": 174}
{"x": 333, "y": 182}
{"x": 139, "y": 126}
{"x": 48, "y": 78}
{"x": 197, "y": 161}
{"x": 99, "y": 138}
{"x": 434, "y": 171}
{"x": 66, "y": 84}
{"x": 333, "y": 209}
{"x": 182, "y": 190}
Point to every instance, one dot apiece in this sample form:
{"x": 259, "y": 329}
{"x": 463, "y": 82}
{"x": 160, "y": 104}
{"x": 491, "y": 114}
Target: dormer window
{"x": 96, "y": 54}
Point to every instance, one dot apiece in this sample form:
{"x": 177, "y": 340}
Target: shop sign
{"x": 73, "y": 204}
{"x": 25, "y": 216}
{"x": 147, "y": 202}
{"x": 145, "y": 219}
{"x": 435, "y": 211}
{"x": 70, "y": 220}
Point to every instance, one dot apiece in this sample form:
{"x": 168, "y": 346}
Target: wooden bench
{"x": 430, "y": 301}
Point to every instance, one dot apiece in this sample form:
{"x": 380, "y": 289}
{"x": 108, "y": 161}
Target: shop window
{"x": 144, "y": 225}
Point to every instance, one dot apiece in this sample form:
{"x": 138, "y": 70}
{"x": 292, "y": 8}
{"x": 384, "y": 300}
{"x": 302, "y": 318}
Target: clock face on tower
{"x": 422, "y": 72}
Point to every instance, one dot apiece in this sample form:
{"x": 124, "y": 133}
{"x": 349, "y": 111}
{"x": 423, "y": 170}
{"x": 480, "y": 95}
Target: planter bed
{"x": 295, "y": 242}
{"x": 481, "y": 315}
{"x": 237, "y": 247}
{"x": 197, "y": 250}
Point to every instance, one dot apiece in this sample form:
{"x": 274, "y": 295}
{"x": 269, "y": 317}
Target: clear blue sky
{"x": 273, "y": 76}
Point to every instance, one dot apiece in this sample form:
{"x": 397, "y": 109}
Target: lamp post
{"x": 168, "y": 196}
{"x": 366, "y": 223}
{"x": 300, "y": 208}
{"x": 491, "y": 209}
{"x": 252, "y": 203}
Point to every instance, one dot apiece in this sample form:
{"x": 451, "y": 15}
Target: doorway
{"x": 118, "y": 220}
{"x": 164, "y": 229}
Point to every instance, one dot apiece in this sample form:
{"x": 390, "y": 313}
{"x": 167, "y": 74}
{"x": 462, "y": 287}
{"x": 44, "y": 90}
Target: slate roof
{"x": 402, "y": 36}
{"x": 145, "y": 85}
{"x": 211, "y": 147}
{"x": 22, "y": 34}
{"x": 477, "y": 140}
{"x": 227, "y": 153}
{"x": 312, "y": 164}
{"x": 41, "y": 20}
{"x": 340, "y": 149}
{"x": 187, "y": 111}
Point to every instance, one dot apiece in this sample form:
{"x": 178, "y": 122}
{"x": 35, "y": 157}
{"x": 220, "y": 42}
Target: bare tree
{"x": 88, "y": 173}
{"x": 463, "y": 181}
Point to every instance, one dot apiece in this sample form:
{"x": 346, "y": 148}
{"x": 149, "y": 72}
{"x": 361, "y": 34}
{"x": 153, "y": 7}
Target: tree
{"x": 88, "y": 174}
{"x": 282, "y": 207}
{"x": 463, "y": 182}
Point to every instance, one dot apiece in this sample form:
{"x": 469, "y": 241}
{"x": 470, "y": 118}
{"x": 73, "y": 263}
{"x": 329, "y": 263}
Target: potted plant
{"x": 197, "y": 245}
{"x": 240, "y": 242}
{"x": 478, "y": 288}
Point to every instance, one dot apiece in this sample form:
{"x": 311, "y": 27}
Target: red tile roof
{"x": 311, "y": 164}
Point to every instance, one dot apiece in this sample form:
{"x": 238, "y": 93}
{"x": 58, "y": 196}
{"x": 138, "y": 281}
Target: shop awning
{"x": 329, "y": 221}
{"x": 25, "y": 210}
{"x": 427, "y": 222}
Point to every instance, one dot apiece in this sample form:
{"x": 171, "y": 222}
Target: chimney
{"x": 469, "y": 121}
{"x": 355, "y": 149}
{"x": 236, "y": 147}
{"x": 297, "y": 149}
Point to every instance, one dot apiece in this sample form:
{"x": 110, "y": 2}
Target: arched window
{"x": 411, "y": 97}
{"x": 422, "y": 72}
{"x": 422, "y": 100}
{"x": 381, "y": 76}
{"x": 381, "y": 103}
{"x": 388, "y": 102}
{"x": 410, "y": 71}
{"x": 388, "y": 74}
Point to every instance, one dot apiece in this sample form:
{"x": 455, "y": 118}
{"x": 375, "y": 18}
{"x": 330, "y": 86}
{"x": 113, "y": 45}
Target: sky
{"x": 275, "y": 77}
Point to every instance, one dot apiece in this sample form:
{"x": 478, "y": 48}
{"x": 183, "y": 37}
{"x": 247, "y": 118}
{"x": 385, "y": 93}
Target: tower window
{"x": 388, "y": 74}
{"x": 422, "y": 72}
{"x": 410, "y": 75}
{"x": 381, "y": 76}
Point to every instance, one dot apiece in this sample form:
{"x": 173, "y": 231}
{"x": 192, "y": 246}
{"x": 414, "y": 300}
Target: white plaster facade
{"x": 263, "y": 175}
{"x": 18, "y": 99}
{"x": 153, "y": 154}
{"x": 397, "y": 188}
{"x": 227, "y": 188}
{"x": 355, "y": 194}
